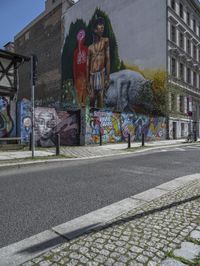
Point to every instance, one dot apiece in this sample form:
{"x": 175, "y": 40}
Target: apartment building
{"x": 183, "y": 66}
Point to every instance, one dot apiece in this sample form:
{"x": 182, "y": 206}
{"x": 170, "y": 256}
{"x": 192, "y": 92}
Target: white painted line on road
{"x": 29, "y": 248}
{"x": 179, "y": 149}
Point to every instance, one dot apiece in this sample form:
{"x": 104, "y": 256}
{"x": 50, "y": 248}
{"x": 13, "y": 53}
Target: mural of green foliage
{"x": 68, "y": 49}
{"x": 108, "y": 32}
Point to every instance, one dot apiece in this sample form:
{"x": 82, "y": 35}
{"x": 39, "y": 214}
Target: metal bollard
{"x": 30, "y": 142}
{"x": 57, "y": 144}
{"x": 100, "y": 138}
{"x": 129, "y": 141}
{"x": 142, "y": 139}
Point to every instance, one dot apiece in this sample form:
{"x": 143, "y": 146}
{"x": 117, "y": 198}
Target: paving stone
{"x": 188, "y": 251}
{"x": 172, "y": 262}
{"x": 45, "y": 263}
{"x": 195, "y": 234}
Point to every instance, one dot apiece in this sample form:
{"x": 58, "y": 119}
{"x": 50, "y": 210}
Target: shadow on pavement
{"x": 99, "y": 227}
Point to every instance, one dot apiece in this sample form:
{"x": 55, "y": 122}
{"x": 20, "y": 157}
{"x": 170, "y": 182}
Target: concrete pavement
{"x": 158, "y": 227}
{"x": 16, "y": 157}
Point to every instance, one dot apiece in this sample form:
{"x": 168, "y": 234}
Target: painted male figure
{"x": 98, "y": 65}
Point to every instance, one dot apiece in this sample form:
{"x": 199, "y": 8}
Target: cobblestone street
{"x": 164, "y": 231}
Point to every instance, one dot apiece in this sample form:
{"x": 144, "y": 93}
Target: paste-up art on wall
{"x": 93, "y": 74}
{"x": 24, "y": 120}
{"x": 49, "y": 122}
{"x": 6, "y": 123}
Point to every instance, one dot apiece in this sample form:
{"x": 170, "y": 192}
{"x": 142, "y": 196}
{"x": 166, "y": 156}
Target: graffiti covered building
{"x": 118, "y": 59}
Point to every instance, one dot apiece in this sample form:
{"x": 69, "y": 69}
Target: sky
{"x": 15, "y": 15}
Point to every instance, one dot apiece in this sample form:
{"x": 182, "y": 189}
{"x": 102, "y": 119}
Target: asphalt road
{"x": 36, "y": 198}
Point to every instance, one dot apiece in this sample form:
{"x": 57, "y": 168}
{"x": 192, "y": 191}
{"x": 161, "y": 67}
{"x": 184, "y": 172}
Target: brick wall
{"x": 43, "y": 38}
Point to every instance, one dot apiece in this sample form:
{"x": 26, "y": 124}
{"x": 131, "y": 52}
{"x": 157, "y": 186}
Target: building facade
{"x": 145, "y": 59}
{"x": 184, "y": 66}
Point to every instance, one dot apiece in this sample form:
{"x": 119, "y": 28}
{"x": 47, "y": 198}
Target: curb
{"x": 121, "y": 152}
{"x": 26, "y": 249}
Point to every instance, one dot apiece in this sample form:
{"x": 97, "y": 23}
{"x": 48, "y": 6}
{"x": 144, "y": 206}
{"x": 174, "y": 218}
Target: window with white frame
{"x": 194, "y": 25}
{"x": 173, "y": 67}
{"x": 188, "y": 75}
{"x": 194, "y": 79}
{"x": 173, "y": 5}
{"x": 188, "y": 46}
{"x": 173, "y": 33}
{"x": 181, "y": 40}
{"x": 194, "y": 52}
{"x": 181, "y": 10}
{"x": 181, "y": 71}
{"x": 188, "y": 18}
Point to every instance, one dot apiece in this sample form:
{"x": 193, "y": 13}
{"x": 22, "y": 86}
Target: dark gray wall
{"x": 43, "y": 38}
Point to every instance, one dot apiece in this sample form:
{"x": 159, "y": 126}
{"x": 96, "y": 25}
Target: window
{"x": 181, "y": 73}
{"x": 182, "y": 129}
{"x": 199, "y": 31}
{"x": 194, "y": 25}
{"x": 188, "y": 75}
{"x": 195, "y": 79}
{"x": 188, "y": 104}
{"x": 173, "y": 33}
{"x": 199, "y": 55}
{"x": 173, "y": 4}
{"x": 188, "y": 47}
{"x": 194, "y": 52}
{"x": 181, "y": 40}
{"x": 173, "y": 102}
{"x": 188, "y": 18}
{"x": 173, "y": 67}
{"x": 181, "y": 104}
{"x": 181, "y": 10}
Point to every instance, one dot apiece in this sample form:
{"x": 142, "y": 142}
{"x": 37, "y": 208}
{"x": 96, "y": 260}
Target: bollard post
{"x": 100, "y": 138}
{"x": 57, "y": 144}
{"x": 30, "y": 142}
{"x": 129, "y": 141}
{"x": 142, "y": 139}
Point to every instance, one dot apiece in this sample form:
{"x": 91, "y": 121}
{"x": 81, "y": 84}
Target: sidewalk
{"x": 159, "y": 227}
{"x": 96, "y": 151}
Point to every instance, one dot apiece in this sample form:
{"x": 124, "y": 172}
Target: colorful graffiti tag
{"x": 6, "y": 123}
{"x": 115, "y": 127}
{"x": 153, "y": 128}
{"x": 107, "y": 123}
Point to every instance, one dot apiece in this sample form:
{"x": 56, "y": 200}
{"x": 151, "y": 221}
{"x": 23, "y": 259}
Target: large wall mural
{"x": 6, "y": 122}
{"x": 94, "y": 75}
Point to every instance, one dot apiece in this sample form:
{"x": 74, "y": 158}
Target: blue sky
{"x": 15, "y": 15}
